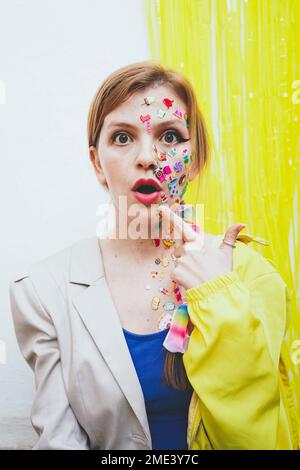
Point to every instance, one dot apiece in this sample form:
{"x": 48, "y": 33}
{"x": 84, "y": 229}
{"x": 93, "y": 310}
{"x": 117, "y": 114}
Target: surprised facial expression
{"x": 145, "y": 149}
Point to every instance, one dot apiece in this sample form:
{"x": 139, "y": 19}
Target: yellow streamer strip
{"x": 243, "y": 58}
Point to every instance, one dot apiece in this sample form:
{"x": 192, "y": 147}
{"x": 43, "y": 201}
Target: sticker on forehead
{"x": 161, "y": 113}
{"x": 149, "y": 100}
{"x": 146, "y": 120}
{"x": 168, "y": 102}
{"x": 178, "y": 113}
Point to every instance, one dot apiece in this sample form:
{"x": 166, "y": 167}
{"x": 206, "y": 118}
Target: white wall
{"x": 53, "y": 56}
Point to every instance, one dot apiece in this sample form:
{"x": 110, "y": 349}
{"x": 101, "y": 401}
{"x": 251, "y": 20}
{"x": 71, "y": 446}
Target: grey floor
{"x": 16, "y": 433}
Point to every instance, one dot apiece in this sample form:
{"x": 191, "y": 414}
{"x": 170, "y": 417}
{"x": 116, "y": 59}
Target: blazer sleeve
{"x": 51, "y": 414}
{"x": 232, "y": 359}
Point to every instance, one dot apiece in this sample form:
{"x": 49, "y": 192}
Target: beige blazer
{"x": 88, "y": 395}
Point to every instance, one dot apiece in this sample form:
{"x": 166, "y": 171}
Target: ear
{"x": 94, "y": 157}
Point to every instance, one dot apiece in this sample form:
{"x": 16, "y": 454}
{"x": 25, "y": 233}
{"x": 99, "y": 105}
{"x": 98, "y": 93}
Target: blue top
{"x": 167, "y": 408}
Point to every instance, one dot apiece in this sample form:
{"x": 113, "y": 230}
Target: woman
{"x": 163, "y": 341}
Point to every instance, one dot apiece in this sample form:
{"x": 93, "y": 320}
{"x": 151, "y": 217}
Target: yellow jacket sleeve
{"x": 232, "y": 358}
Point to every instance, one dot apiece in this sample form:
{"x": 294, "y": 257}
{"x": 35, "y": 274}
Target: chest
{"x": 144, "y": 296}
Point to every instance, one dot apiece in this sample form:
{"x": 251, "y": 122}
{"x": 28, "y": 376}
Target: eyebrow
{"x": 158, "y": 125}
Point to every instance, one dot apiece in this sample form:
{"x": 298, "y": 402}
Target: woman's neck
{"x": 137, "y": 250}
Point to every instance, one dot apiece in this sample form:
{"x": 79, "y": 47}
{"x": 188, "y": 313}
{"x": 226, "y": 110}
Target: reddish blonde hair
{"x": 122, "y": 83}
{"x": 117, "y": 88}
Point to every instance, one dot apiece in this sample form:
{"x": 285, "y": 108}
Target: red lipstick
{"x": 146, "y": 190}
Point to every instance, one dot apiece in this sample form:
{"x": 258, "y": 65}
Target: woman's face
{"x": 145, "y": 141}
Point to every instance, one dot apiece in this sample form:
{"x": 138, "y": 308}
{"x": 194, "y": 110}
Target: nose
{"x": 146, "y": 156}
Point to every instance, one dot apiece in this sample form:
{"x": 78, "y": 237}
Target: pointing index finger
{"x": 182, "y": 229}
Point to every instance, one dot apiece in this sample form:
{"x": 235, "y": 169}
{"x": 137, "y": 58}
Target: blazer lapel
{"x": 96, "y": 308}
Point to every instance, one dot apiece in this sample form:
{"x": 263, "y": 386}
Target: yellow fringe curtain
{"x": 243, "y": 58}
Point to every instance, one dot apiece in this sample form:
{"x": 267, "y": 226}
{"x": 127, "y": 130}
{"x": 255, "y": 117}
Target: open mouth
{"x": 146, "y": 189}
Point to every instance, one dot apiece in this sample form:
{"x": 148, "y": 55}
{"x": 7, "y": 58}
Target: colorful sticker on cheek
{"x": 183, "y": 189}
{"x": 182, "y": 180}
{"x": 178, "y": 167}
{"x": 167, "y": 170}
{"x": 173, "y": 187}
{"x": 162, "y": 156}
{"x": 172, "y": 153}
{"x": 159, "y": 174}
{"x": 185, "y": 158}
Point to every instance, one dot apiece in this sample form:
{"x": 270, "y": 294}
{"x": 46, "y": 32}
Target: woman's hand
{"x": 198, "y": 261}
